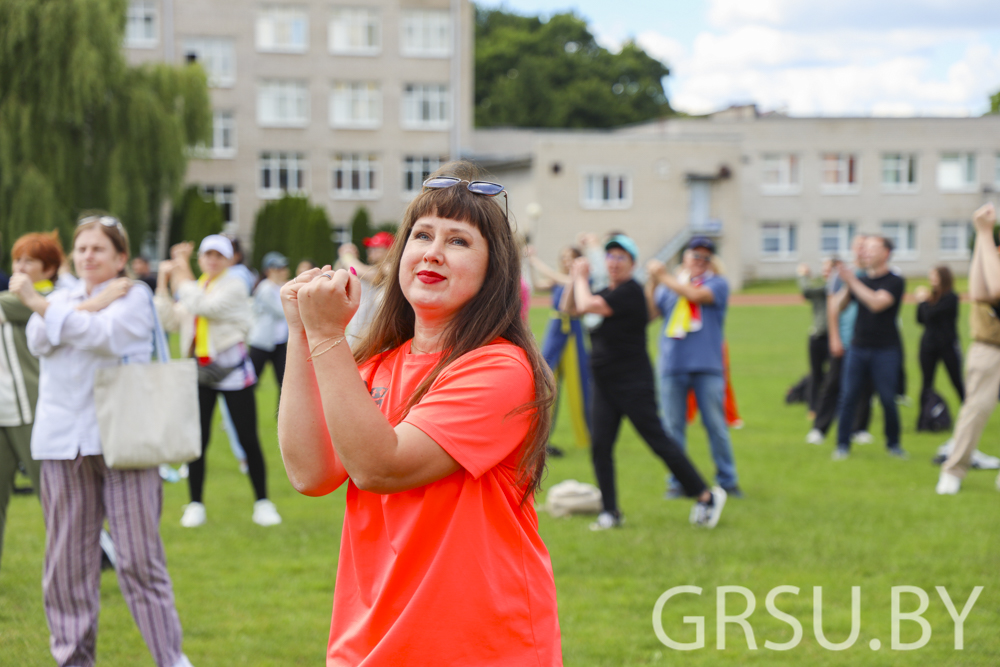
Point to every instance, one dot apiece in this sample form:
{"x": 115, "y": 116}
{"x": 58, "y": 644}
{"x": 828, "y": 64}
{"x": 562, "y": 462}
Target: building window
{"x": 141, "y": 29}
{"x": 957, "y": 172}
{"x": 355, "y": 31}
{"x": 282, "y": 30}
{"x": 899, "y": 172}
{"x": 417, "y": 169}
{"x": 356, "y": 104}
{"x": 426, "y": 106}
{"x": 223, "y": 134}
{"x": 840, "y": 172}
{"x": 835, "y": 238}
{"x": 282, "y": 103}
{"x": 426, "y": 33}
{"x": 955, "y": 238}
{"x": 225, "y": 197}
{"x": 281, "y": 173}
{"x": 903, "y": 236}
{"x": 603, "y": 190}
{"x": 780, "y": 173}
{"x": 355, "y": 176}
{"x": 779, "y": 240}
{"x": 216, "y": 56}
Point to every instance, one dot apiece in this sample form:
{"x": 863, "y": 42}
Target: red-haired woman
{"x": 78, "y": 330}
{"x": 937, "y": 310}
{"x": 437, "y": 423}
{"x": 36, "y": 259}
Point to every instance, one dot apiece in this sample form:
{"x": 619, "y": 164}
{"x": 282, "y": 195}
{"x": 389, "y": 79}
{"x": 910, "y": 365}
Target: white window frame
{"x": 416, "y": 169}
{"x": 787, "y": 236}
{"x": 356, "y": 105}
{"x": 845, "y": 233}
{"x": 139, "y": 14}
{"x": 425, "y": 33}
{"x": 961, "y": 231}
{"x": 844, "y": 166}
{"x": 787, "y": 167}
{"x": 598, "y": 188}
{"x": 423, "y": 106}
{"x": 968, "y": 165}
{"x": 294, "y": 164}
{"x": 897, "y": 170}
{"x": 904, "y": 235}
{"x": 350, "y": 28}
{"x": 365, "y": 167}
{"x": 217, "y": 56}
{"x": 223, "y": 121}
{"x": 274, "y": 95}
{"x": 222, "y": 195}
{"x": 273, "y": 21}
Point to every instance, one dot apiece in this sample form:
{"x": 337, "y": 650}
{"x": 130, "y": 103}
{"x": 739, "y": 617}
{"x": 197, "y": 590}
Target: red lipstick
{"x": 429, "y": 277}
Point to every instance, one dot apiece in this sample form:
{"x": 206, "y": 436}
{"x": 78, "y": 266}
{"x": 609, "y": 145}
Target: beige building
{"x": 775, "y": 191}
{"x": 351, "y": 103}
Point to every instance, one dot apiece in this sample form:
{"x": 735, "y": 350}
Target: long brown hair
{"x": 946, "y": 283}
{"x": 495, "y": 311}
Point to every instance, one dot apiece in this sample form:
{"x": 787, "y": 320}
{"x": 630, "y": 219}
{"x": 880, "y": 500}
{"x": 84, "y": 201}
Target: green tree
{"x": 295, "y": 228}
{"x": 536, "y": 73}
{"x": 361, "y": 228}
{"x": 79, "y": 128}
{"x": 995, "y": 103}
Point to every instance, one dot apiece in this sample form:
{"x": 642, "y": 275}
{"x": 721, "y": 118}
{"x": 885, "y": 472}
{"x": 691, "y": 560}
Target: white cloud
{"x": 774, "y": 53}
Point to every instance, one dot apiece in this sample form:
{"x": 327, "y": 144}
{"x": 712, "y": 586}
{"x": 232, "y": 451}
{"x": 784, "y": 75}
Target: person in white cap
{"x": 213, "y": 314}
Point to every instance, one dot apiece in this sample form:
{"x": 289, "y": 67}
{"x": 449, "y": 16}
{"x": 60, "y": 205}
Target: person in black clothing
{"x": 938, "y": 312}
{"x": 876, "y": 351}
{"x": 624, "y": 384}
{"x": 819, "y": 338}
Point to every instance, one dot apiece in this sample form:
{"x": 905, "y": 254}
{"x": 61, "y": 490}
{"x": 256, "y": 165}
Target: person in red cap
{"x": 370, "y": 274}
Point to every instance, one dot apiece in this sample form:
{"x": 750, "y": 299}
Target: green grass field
{"x": 261, "y": 596}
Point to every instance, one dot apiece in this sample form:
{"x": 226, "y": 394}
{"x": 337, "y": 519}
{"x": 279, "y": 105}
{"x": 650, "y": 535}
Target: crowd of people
{"x": 413, "y": 379}
{"x": 856, "y": 351}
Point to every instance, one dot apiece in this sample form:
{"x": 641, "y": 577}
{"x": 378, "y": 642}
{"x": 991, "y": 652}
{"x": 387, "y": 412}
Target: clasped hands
{"x": 321, "y": 302}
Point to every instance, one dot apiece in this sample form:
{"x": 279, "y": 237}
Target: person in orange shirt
{"x": 437, "y": 422}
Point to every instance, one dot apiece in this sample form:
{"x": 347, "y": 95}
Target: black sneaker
{"x": 734, "y": 491}
{"x": 554, "y": 452}
{"x": 897, "y": 452}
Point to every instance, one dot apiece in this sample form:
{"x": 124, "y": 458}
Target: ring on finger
{"x": 327, "y": 275}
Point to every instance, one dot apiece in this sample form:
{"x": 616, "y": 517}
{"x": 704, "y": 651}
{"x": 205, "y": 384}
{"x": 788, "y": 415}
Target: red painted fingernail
{"x": 353, "y": 272}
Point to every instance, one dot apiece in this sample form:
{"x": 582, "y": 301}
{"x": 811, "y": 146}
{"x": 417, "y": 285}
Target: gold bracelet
{"x": 316, "y": 346}
{"x": 313, "y": 356}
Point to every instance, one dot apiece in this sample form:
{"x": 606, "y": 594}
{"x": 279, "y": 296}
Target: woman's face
{"x": 935, "y": 279}
{"x": 566, "y": 258}
{"x": 278, "y": 275}
{"x": 619, "y": 264}
{"x": 212, "y": 263}
{"x": 304, "y": 266}
{"x": 95, "y": 257}
{"x": 442, "y": 267}
{"x": 33, "y": 268}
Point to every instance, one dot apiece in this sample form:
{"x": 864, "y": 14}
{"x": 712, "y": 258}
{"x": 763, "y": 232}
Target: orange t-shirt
{"x": 454, "y": 572}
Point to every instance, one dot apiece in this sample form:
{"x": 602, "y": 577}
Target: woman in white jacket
{"x": 76, "y": 331}
{"x": 213, "y": 315}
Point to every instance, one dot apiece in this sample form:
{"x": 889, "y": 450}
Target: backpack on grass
{"x": 934, "y": 413}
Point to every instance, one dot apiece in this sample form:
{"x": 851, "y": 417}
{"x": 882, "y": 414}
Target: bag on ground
{"x": 573, "y": 497}
{"x": 934, "y": 413}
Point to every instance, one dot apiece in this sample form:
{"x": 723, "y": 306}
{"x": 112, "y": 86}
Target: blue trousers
{"x": 880, "y": 365}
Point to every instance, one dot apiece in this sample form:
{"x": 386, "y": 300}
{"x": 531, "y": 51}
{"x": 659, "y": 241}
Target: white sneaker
{"x": 708, "y": 515}
{"x": 244, "y": 468}
{"x": 183, "y": 662}
{"x": 862, "y": 438}
{"x": 815, "y": 437}
{"x": 606, "y": 521}
{"x": 948, "y": 484}
{"x": 194, "y": 515}
{"x": 265, "y": 513}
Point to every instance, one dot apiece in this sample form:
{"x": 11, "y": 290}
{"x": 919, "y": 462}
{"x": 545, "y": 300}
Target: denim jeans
{"x": 880, "y": 365}
{"x": 709, "y": 390}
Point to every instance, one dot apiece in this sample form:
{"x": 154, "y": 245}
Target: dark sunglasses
{"x": 105, "y": 220}
{"x": 484, "y": 188}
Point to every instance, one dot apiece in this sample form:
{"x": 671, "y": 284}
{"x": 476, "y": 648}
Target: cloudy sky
{"x": 807, "y": 58}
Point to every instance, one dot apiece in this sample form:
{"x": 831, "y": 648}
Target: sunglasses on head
{"x": 105, "y": 220}
{"x": 485, "y": 188}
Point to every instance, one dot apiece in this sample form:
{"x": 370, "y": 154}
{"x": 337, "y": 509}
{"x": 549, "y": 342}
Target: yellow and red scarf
{"x": 686, "y": 317}
{"x": 200, "y": 343}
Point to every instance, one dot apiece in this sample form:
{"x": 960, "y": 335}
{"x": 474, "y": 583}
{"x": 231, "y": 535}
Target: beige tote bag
{"x": 148, "y": 414}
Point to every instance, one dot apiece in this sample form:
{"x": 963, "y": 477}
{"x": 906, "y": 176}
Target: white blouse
{"x": 72, "y": 345}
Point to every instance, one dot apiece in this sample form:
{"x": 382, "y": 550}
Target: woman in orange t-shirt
{"x": 438, "y": 423}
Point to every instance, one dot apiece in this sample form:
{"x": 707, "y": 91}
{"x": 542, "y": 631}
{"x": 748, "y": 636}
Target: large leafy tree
{"x": 295, "y": 228}
{"x": 79, "y": 128}
{"x": 536, "y": 73}
{"x": 995, "y": 103}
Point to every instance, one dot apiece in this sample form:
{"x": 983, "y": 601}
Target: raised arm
{"x": 874, "y": 300}
{"x": 549, "y": 276}
{"x": 693, "y": 293}
{"x": 984, "y": 274}
{"x": 586, "y": 301}
{"x": 834, "y": 305}
{"x": 112, "y": 330}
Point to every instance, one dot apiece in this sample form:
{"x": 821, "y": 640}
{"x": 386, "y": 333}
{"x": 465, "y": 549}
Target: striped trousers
{"x": 76, "y": 497}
